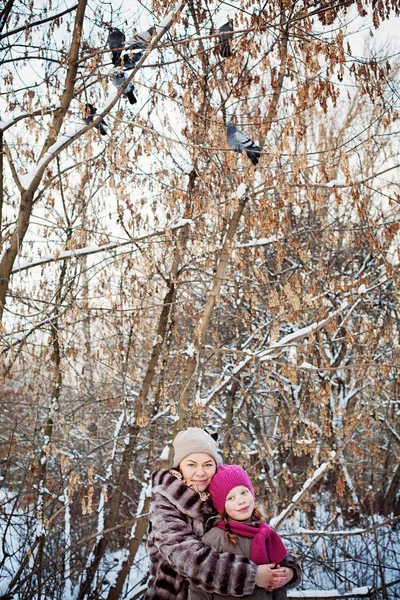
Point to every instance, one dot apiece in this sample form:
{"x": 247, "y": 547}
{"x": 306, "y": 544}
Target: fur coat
{"x": 217, "y": 539}
{"x": 176, "y": 524}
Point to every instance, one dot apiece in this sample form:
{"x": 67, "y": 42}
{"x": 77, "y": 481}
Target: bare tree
{"x": 152, "y": 278}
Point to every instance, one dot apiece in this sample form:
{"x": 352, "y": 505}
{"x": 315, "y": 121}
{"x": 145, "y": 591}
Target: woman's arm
{"x": 220, "y": 573}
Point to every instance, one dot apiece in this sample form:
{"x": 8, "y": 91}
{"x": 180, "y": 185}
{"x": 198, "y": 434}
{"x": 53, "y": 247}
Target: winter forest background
{"x": 152, "y": 279}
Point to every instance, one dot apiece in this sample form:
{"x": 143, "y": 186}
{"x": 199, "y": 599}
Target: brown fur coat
{"x": 217, "y": 539}
{"x": 176, "y": 524}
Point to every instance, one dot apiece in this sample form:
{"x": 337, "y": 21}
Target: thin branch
{"x": 36, "y": 23}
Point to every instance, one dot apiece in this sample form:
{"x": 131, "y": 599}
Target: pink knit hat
{"x": 225, "y": 479}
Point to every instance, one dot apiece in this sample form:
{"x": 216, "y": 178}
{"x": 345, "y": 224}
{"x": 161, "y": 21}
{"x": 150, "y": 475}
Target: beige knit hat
{"x": 191, "y": 441}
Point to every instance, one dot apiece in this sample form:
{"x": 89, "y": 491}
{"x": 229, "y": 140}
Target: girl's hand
{"x": 270, "y": 577}
{"x": 281, "y": 576}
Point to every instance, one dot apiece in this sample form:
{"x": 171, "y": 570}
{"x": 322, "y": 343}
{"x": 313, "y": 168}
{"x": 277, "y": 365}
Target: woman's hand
{"x": 272, "y": 576}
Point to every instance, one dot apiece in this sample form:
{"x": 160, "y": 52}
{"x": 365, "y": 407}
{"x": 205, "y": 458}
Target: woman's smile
{"x": 198, "y": 468}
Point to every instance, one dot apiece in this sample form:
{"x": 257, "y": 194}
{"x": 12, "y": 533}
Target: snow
{"x": 335, "y": 183}
{"x": 67, "y": 539}
{"x": 6, "y": 247}
{"x": 358, "y": 591}
{"x": 336, "y": 533}
{"x": 165, "y": 453}
{"x": 314, "y": 594}
{"x": 307, "y": 365}
{"x": 4, "y": 124}
{"x": 26, "y": 180}
{"x": 240, "y": 191}
{"x": 274, "y": 522}
{"x": 94, "y": 249}
{"x": 362, "y": 289}
{"x": 190, "y": 350}
{"x": 259, "y": 242}
{"x": 181, "y": 223}
{"x": 166, "y": 22}
{"x": 300, "y": 333}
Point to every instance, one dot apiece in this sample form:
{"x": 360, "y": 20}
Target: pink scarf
{"x": 267, "y": 546}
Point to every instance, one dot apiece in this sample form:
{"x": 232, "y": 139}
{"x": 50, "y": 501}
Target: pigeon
{"x": 238, "y": 141}
{"x": 89, "y": 113}
{"x": 131, "y": 59}
{"x": 226, "y": 35}
{"x": 116, "y": 39}
{"x": 118, "y": 79}
{"x": 141, "y": 40}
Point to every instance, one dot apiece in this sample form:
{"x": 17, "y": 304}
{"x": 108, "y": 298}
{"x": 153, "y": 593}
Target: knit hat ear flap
{"x": 225, "y": 479}
{"x": 194, "y": 440}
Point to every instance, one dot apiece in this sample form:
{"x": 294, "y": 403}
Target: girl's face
{"x": 199, "y": 469}
{"x": 239, "y": 503}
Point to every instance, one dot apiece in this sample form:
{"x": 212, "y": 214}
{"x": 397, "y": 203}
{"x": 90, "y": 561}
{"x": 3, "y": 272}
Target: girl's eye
{"x": 209, "y": 466}
{"x": 191, "y": 465}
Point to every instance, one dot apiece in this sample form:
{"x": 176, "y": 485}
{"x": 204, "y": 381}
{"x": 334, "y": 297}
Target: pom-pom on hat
{"x": 191, "y": 441}
{"x": 225, "y": 479}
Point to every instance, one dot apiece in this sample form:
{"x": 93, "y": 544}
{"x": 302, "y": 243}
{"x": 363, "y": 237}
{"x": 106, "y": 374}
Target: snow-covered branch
{"x": 88, "y": 250}
{"x": 266, "y": 353}
{"x": 359, "y": 592}
{"x": 300, "y": 531}
{"x": 36, "y": 23}
{"x": 31, "y": 179}
{"x": 316, "y": 476}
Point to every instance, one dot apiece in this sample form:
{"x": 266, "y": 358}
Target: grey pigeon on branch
{"x": 118, "y": 79}
{"x": 141, "y": 40}
{"x": 89, "y": 113}
{"x": 116, "y": 39}
{"x": 130, "y": 59}
{"x": 238, "y": 141}
{"x": 225, "y": 37}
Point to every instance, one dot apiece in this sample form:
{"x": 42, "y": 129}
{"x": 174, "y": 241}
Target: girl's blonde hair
{"x": 233, "y": 537}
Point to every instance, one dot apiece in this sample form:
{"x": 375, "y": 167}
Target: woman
{"x": 179, "y": 511}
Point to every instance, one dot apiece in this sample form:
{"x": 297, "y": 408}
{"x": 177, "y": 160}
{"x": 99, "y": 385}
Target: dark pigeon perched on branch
{"x": 116, "y": 39}
{"x": 130, "y": 59}
{"x": 141, "y": 40}
{"x": 225, "y": 37}
{"x": 89, "y": 113}
{"x": 118, "y": 79}
{"x": 238, "y": 141}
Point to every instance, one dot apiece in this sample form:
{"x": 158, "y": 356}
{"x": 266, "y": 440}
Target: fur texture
{"x": 216, "y": 538}
{"x": 176, "y": 524}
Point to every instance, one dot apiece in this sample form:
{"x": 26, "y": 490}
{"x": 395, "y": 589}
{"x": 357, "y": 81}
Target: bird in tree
{"x": 226, "y": 32}
{"x": 118, "y": 79}
{"x": 116, "y": 43}
{"x": 130, "y": 59}
{"x": 141, "y": 40}
{"x": 238, "y": 141}
{"x": 89, "y": 112}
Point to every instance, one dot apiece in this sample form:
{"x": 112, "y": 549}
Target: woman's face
{"x": 199, "y": 469}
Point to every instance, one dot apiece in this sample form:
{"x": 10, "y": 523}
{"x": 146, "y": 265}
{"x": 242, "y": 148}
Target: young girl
{"x": 242, "y": 530}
